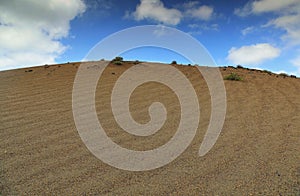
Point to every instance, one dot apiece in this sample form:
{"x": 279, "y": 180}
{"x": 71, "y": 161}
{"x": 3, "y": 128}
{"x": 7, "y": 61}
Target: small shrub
{"x": 136, "y": 62}
{"x": 174, "y": 62}
{"x": 233, "y": 76}
{"x": 239, "y": 67}
{"x": 293, "y": 76}
{"x": 118, "y": 58}
{"x": 268, "y": 72}
{"x": 283, "y": 75}
{"x": 118, "y": 63}
{"x": 231, "y": 67}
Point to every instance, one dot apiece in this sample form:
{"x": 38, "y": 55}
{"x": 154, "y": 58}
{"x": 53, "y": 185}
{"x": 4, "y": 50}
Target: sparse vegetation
{"x": 239, "y": 67}
{"x": 136, "y": 62}
{"x": 232, "y": 67}
{"x": 118, "y": 60}
{"x": 233, "y": 76}
{"x": 174, "y": 62}
{"x": 30, "y": 101}
{"x": 283, "y": 75}
{"x": 118, "y": 63}
{"x": 268, "y": 72}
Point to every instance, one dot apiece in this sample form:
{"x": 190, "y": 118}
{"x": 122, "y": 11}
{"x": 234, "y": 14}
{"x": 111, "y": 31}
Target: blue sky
{"x": 262, "y": 34}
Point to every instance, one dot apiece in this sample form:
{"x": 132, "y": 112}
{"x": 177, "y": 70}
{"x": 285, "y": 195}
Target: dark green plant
{"x": 284, "y": 75}
{"x": 268, "y": 72}
{"x": 118, "y": 58}
{"x": 118, "y": 63}
{"x": 174, "y": 62}
{"x": 232, "y": 67}
{"x": 233, "y": 76}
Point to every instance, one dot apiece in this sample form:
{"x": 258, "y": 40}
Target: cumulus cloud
{"x": 272, "y": 5}
{"x": 30, "y": 31}
{"x": 288, "y": 18}
{"x": 291, "y": 25}
{"x": 261, "y": 6}
{"x": 155, "y": 10}
{"x": 252, "y": 55}
{"x": 203, "y": 12}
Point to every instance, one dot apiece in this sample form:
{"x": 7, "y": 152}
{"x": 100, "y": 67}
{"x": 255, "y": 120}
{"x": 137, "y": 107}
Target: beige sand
{"x": 41, "y": 152}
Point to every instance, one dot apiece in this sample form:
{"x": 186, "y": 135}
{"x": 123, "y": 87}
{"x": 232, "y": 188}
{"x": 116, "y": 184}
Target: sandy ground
{"x": 41, "y": 152}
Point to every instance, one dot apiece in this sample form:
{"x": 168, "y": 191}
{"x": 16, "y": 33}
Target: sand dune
{"x": 41, "y": 152}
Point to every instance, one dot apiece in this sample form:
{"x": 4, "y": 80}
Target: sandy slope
{"x": 41, "y": 152}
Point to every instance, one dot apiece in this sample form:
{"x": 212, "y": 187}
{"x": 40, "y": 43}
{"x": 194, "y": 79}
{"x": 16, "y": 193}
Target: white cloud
{"x": 288, "y": 18}
{"x": 247, "y": 30}
{"x": 252, "y": 55}
{"x": 202, "y": 13}
{"x": 244, "y": 11}
{"x": 272, "y": 5}
{"x": 286, "y": 72}
{"x": 197, "y": 29}
{"x": 261, "y": 6}
{"x": 96, "y": 4}
{"x": 296, "y": 63}
{"x": 192, "y": 9}
{"x": 291, "y": 25}
{"x": 160, "y": 31}
{"x": 30, "y": 31}
{"x": 190, "y": 4}
{"x": 155, "y": 10}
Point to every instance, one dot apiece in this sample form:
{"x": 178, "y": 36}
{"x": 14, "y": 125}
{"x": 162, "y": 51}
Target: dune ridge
{"x": 42, "y": 153}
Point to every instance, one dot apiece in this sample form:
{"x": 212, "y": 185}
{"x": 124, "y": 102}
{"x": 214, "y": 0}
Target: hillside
{"x": 41, "y": 152}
